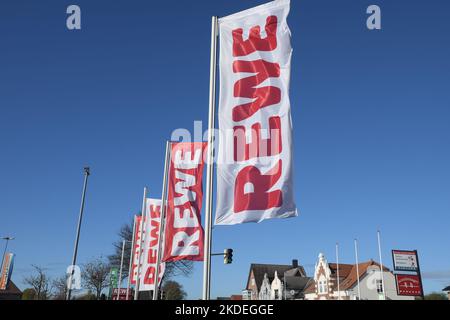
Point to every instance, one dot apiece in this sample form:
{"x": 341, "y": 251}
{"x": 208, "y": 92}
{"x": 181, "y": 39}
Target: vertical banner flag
{"x": 254, "y": 167}
{"x": 136, "y": 249}
{"x": 6, "y": 271}
{"x": 150, "y": 253}
{"x": 150, "y": 247}
{"x": 184, "y": 232}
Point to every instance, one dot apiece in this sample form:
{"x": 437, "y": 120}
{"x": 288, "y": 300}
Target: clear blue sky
{"x": 370, "y": 109}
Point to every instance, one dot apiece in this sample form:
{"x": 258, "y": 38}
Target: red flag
{"x": 184, "y": 232}
{"x": 136, "y": 248}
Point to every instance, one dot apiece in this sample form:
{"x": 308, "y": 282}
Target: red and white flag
{"x": 136, "y": 249}
{"x": 149, "y": 247}
{"x": 184, "y": 233}
{"x": 254, "y": 166}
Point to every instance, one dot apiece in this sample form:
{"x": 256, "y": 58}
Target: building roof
{"x": 347, "y": 274}
{"x": 344, "y": 269}
{"x": 297, "y": 283}
{"x": 11, "y": 292}
{"x": 352, "y": 277}
{"x": 260, "y": 269}
{"x": 446, "y": 289}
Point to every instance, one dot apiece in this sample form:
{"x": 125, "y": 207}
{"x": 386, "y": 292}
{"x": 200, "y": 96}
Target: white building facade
{"x": 327, "y": 287}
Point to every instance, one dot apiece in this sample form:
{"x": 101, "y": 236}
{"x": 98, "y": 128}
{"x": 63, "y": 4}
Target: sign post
{"x": 407, "y": 284}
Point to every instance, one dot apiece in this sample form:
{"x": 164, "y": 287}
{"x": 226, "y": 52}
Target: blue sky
{"x": 370, "y": 111}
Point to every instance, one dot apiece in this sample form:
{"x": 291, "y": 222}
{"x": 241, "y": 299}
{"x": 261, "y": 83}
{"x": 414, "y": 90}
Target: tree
{"x": 60, "y": 287}
{"x": 40, "y": 282}
{"x": 125, "y": 233}
{"x": 173, "y": 269}
{"x": 172, "y": 290}
{"x": 95, "y": 276}
{"x": 87, "y": 296}
{"x": 436, "y": 296}
{"x": 29, "y": 294}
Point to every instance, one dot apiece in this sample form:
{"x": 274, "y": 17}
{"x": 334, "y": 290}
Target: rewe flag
{"x": 254, "y": 167}
{"x": 183, "y": 235}
{"x": 149, "y": 250}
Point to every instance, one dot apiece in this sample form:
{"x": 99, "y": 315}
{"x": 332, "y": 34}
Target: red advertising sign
{"x": 183, "y": 231}
{"x": 123, "y": 294}
{"x": 408, "y": 285}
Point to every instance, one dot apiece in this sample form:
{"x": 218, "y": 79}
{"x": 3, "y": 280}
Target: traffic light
{"x": 228, "y": 256}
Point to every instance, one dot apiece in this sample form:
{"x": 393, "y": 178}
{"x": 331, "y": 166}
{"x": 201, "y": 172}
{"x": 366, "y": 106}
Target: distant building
{"x": 325, "y": 284}
{"x": 11, "y": 292}
{"x": 275, "y": 282}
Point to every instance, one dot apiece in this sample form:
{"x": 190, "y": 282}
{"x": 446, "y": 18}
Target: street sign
{"x": 408, "y": 285}
{"x": 405, "y": 260}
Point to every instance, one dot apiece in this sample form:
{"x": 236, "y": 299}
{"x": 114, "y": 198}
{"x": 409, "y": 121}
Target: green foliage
{"x": 87, "y": 296}
{"x": 436, "y": 296}
{"x": 29, "y": 294}
{"x": 172, "y": 290}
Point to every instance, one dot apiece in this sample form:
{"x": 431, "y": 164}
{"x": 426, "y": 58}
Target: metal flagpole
{"x": 77, "y": 238}
{"x": 141, "y": 243}
{"x": 120, "y": 272}
{"x": 130, "y": 266}
{"x": 337, "y": 271}
{"x": 209, "y": 164}
{"x": 162, "y": 218}
{"x": 381, "y": 265}
{"x": 357, "y": 268}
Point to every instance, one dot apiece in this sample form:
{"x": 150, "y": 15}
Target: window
{"x": 379, "y": 286}
{"x": 322, "y": 286}
{"x": 276, "y": 294}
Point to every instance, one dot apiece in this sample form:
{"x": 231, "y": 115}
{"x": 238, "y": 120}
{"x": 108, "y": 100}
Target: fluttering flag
{"x": 136, "y": 247}
{"x": 6, "y": 270}
{"x": 149, "y": 249}
{"x": 254, "y": 165}
{"x": 183, "y": 237}
{"x": 150, "y": 253}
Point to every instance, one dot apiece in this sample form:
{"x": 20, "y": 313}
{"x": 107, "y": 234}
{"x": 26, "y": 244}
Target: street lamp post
{"x": 6, "y": 248}
{"x": 80, "y": 218}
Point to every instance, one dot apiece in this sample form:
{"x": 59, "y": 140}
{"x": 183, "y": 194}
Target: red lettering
{"x": 255, "y": 42}
{"x": 150, "y": 275}
{"x": 152, "y": 256}
{"x": 247, "y": 87}
{"x": 259, "y": 198}
{"x": 257, "y": 147}
{"x": 154, "y": 232}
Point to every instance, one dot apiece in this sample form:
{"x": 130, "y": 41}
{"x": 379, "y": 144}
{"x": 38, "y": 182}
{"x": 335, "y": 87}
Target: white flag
{"x": 254, "y": 167}
{"x": 150, "y": 246}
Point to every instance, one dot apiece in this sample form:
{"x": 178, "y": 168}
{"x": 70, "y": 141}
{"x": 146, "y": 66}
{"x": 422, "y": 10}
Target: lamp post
{"x": 7, "y": 239}
{"x": 80, "y": 218}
